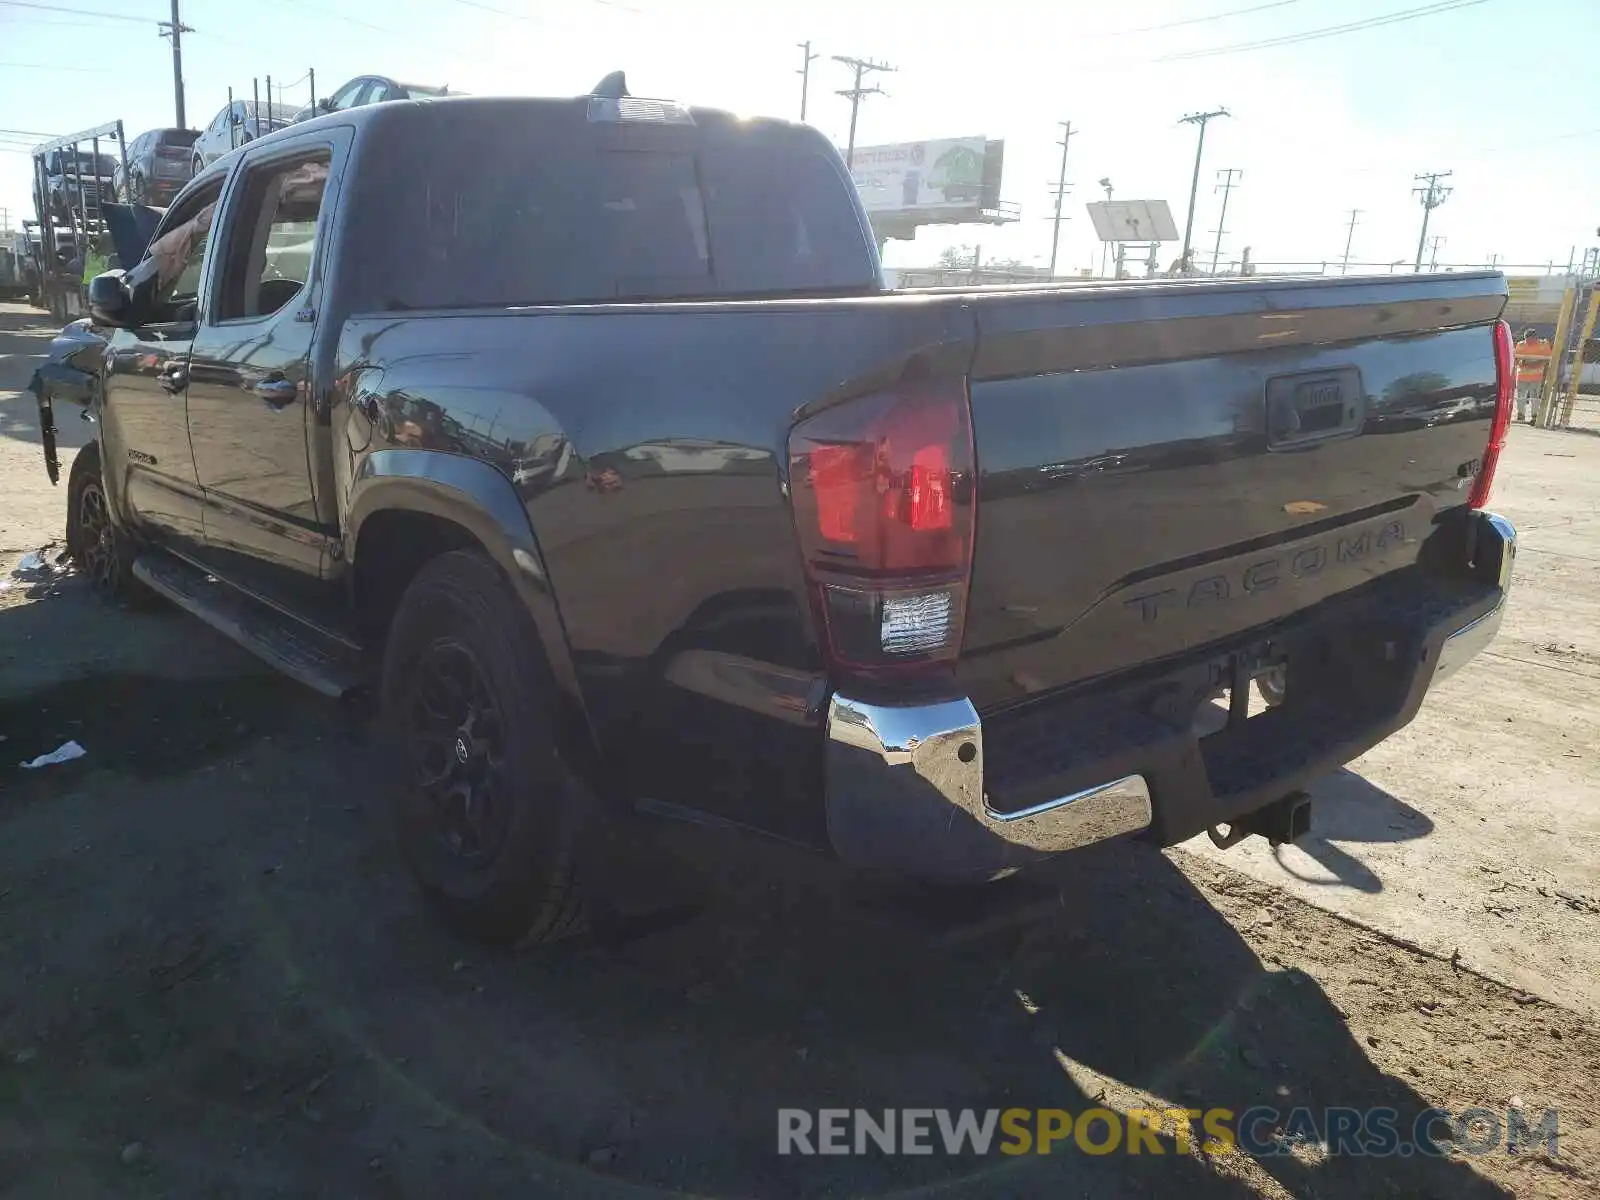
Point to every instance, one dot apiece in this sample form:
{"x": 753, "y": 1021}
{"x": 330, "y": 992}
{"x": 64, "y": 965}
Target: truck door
{"x": 144, "y": 433}
{"x": 250, "y": 413}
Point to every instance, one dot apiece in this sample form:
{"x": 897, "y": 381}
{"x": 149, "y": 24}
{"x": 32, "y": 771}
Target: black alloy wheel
{"x": 459, "y": 753}
{"x": 489, "y": 816}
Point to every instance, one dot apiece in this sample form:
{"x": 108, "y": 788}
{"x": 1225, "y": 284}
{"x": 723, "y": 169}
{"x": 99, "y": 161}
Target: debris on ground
{"x": 65, "y": 752}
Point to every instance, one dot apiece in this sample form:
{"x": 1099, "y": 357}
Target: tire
{"x": 1273, "y": 687}
{"x": 99, "y": 547}
{"x": 136, "y": 190}
{"x": 489, "y": 818}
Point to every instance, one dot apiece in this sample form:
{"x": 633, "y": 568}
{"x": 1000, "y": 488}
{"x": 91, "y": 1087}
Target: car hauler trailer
{"x": 69, "y": 186}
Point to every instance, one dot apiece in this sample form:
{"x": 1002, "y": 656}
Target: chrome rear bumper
{"x": 905, "y": 792}
{"x": 1494, "y": 556}
{"x": 905, "y": 783}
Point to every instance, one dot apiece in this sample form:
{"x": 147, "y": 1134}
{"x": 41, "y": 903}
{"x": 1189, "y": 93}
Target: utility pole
{"x": 1226, "y": 186}
{"x": 1434, "y": 243}
{"x": 1349, "y": 239}
{"x": 1202, "y": 120}
{"x": 175, "y": 29}
{"x": 1105, "y": 247}
{"x": 1061, "y": 194}
{"x": 1432, "y": 196}
{"x": 862, "y": 67}
{"x": 805, "y": 74}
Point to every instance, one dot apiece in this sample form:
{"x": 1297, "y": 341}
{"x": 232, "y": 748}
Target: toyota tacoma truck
{"x": 584, "y": 438}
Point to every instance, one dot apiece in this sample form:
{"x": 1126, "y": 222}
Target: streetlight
{"x": 1105, "y": 247}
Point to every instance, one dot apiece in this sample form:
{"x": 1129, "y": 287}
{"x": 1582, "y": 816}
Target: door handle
{"x": 173, "y": 381}
{"x": 276, "y": 392}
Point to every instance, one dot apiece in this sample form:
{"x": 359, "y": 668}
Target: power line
{"x": 1433, "y": 195}
{"x": 862, "y": 67}
{"x": 541, "y": 17}
{"x": 78, "y": 12}
{"x": 55, "y": 67}
{"x": 1202, "y": 120}
{"x": 1226, "y": 188}
{"x": 1233, "y": 12}
{"x": 1312, "y": 35}
{"x": 91, "y": 23}
{"x": 337, "y": 16}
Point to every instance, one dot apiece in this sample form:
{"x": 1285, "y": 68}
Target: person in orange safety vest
{"x": 1533, "y": 357}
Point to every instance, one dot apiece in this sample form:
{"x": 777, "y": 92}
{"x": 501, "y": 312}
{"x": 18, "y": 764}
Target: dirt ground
{"x": 1477, "y": 829}
{"x": 216, "y": 980}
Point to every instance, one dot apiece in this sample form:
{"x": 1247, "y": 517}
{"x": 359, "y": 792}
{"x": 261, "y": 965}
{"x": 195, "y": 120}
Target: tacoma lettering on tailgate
{"x": 1264, "y": 573}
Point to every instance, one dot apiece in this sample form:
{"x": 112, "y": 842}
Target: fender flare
{"x": 472, "y": 494}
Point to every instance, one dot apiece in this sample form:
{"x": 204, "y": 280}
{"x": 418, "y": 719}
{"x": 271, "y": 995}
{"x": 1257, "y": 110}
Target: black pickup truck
{"x": 583, "y": 434}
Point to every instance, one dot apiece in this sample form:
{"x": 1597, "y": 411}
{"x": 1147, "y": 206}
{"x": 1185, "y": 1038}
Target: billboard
{"x": 1537, "y": 289}
{"x": 938, "y": 175}
{"x": 1133, "y": 221}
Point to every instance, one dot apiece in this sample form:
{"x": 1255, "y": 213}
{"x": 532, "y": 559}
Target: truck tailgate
{"x": 1164, "y": 465}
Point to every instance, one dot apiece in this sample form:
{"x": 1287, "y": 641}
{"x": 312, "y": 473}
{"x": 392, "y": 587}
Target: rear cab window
{"x": 487, "y": 208}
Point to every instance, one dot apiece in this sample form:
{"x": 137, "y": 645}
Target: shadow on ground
{"x": 1349, "y": 809}
{"x": 212, "y": 955}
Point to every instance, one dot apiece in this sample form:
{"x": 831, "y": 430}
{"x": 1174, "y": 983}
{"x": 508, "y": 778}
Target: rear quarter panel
{"x": 647, "y": 445}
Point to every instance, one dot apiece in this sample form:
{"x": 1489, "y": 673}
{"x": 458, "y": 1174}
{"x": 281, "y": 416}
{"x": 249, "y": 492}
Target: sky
{"x": 1319, "y": 125}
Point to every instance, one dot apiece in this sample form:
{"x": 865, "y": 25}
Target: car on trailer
{"x": 236, "y": 123}
{"x": 369, "y": 89}
{"x": 160, "y": 162}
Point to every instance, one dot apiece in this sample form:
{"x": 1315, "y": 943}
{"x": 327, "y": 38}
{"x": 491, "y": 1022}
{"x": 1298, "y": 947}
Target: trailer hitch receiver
{"x": 1286, "y": 819}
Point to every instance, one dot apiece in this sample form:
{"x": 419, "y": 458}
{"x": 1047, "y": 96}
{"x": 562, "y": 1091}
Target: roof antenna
{"x": 613, "y": 87}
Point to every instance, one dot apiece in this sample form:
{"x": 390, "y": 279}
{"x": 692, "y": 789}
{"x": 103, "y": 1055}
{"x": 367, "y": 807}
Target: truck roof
{"x": 577, "y": 108}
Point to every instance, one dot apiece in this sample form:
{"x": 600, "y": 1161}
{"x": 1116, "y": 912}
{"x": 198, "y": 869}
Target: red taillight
{"x": 882, "y": 487}
{"x": 1505, "y": 373}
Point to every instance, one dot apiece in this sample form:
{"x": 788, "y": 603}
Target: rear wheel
{"x": 136, "y": 190}
{"x": 488, "y": 816}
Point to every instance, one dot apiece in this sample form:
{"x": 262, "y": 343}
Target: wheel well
{"x": 392, "y": 547}
{"x": 394, "y": 544}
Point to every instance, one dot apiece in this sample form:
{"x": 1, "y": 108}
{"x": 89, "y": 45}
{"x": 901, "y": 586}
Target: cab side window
{"x": 272, "y": 241}
{"x": 174, "y": 265}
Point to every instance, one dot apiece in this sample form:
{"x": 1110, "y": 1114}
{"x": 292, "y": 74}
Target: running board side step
{"x": 281, "y": 642}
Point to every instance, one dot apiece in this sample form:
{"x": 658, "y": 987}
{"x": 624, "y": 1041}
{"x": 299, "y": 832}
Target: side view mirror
{"x": 110, "y": 301}
{"x": 325, "y": 104}
{"x": 235, "y": 119}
